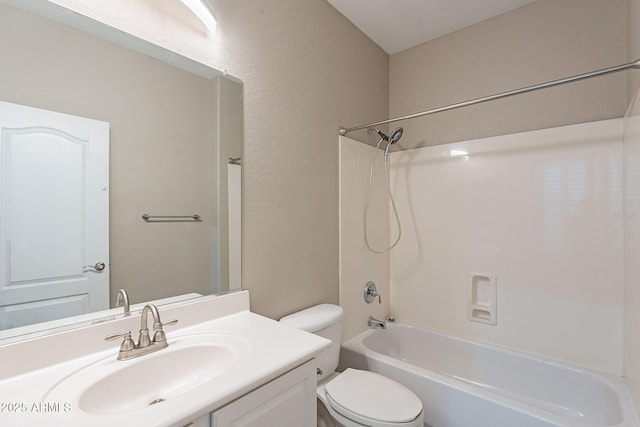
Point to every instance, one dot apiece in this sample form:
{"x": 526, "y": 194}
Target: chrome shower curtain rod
{"x": 623, "y": 67}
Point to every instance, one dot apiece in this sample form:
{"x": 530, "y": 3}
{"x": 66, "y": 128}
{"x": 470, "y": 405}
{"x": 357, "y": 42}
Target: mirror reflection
{"x": 94, "y": 135}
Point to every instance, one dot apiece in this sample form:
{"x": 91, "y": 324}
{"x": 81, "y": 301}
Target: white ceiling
{"x": 396, "y": 25}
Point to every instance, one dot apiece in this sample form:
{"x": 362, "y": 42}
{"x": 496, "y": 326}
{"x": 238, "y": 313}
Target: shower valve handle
{"x": 370, "y": 293}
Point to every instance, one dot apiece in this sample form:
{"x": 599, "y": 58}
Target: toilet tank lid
{"x": 314, "y": 318}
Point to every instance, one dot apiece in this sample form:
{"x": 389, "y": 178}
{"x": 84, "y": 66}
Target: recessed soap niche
{"x": 482, "y": 298}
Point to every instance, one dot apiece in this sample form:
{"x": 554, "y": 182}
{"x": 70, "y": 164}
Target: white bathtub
{"x": 466, "y": 384}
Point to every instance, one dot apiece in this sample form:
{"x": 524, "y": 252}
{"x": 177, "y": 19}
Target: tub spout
{"x": 376, "y": 323}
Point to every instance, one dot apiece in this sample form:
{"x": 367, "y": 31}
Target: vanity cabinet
{"x": 289, "y": 400}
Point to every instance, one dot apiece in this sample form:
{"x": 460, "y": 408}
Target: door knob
{"x": 99, "y": 266}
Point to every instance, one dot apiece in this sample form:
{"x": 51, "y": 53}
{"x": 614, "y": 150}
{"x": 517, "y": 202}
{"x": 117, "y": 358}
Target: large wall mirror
{"x": 96, "y": 132}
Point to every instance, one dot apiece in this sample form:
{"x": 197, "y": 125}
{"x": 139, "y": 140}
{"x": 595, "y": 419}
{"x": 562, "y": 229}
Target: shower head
{"x": 395, "y": 135}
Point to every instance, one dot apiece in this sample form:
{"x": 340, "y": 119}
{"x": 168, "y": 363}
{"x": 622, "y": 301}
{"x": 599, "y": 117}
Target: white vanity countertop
{"x": 274, "y": 350}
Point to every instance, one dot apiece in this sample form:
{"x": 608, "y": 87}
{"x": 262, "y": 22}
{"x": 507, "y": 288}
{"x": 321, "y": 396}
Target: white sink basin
{"x": 111, "y": 386}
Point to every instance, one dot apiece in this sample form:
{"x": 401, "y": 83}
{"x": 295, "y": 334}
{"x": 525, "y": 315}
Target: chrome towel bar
{"x": 167, "y": 218}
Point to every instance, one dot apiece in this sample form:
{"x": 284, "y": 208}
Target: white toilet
{"x": 353, "y": 398}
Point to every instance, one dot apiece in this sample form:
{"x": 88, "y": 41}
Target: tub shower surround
{"x": 540, "y": 213}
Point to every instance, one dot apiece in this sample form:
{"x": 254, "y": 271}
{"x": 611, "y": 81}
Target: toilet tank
{"x": 324, "y": 320}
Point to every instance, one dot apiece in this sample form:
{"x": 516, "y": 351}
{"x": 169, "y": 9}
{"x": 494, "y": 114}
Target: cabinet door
{"x": 289, "y": 400}
{"x": 203, "y": 421}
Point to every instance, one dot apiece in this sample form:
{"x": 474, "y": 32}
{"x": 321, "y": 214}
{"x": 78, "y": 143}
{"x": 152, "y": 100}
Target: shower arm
{"x": 631, "y": 65}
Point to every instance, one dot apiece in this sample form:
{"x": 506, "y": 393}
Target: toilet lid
{"x": 370, "y": 396}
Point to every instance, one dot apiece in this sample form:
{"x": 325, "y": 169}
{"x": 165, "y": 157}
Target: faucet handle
{"x": 127, "y": 342}
{"x": 125, "y": 335}
{"x": 170, "y": 322}
{"x": 159, "y": 335}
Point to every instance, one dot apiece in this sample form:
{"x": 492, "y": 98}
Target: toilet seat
{"x": 373, "y": 400}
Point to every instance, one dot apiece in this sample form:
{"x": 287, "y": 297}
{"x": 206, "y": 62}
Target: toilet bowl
{"x": 363, "y": 398}
{"x": 353, "y": 398}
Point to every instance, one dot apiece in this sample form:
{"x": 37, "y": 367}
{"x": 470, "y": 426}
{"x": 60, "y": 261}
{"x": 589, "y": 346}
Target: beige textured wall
{"x": 306, "y": 71}
{"x": 542, "y": 41}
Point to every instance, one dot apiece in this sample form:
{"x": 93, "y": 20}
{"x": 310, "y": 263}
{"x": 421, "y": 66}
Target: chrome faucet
{"x": 122, "y": 299}
{"x": 376, "y": 323}
{"x": 129, "y": 349}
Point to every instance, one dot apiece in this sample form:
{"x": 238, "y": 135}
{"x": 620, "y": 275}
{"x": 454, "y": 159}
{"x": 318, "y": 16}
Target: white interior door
{"x": 54, "y": 215}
